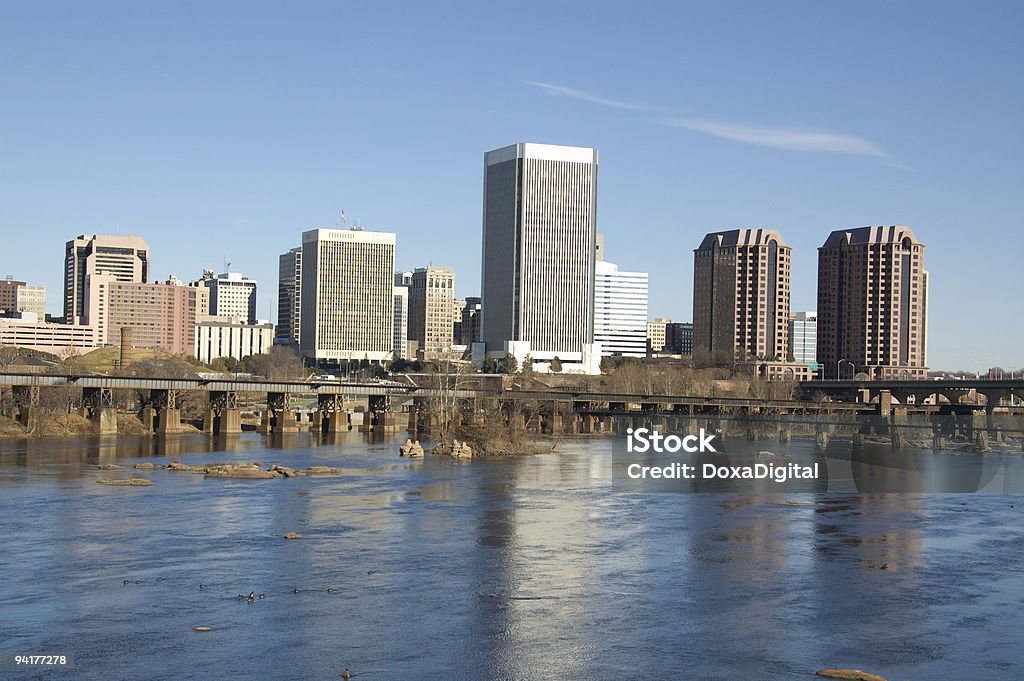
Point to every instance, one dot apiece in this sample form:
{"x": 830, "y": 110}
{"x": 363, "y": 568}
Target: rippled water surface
{"x": 523, "y": 568}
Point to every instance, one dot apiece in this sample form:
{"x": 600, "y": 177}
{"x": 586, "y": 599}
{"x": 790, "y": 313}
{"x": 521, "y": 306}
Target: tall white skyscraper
{"x": 803, "y": 336}
{"x": 620, "y": 311}
{"x": 347, "y": 299}
{"x": 539, "y": 240}
{"x": 231, "y": 295}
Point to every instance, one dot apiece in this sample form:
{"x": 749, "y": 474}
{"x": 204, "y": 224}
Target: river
{"x": 533, "y": 567}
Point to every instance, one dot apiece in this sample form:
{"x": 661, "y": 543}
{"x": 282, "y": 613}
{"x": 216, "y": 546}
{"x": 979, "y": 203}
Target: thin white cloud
{"x": 561, "y": 91}
{"x": 786, "y": 138}
{"x": 765, "y": 136}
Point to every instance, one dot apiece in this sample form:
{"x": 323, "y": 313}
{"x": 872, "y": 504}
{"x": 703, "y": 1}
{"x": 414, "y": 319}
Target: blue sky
{"x": 222, "y": 129}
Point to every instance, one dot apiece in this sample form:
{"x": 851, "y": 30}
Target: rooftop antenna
{"x": 227, "y": 264}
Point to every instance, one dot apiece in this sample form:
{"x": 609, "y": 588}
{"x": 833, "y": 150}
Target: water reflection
{"x": 534, "y": 567}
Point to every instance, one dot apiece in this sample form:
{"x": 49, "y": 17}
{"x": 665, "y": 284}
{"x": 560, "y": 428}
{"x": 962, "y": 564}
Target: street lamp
{"x": 839, "y": 369}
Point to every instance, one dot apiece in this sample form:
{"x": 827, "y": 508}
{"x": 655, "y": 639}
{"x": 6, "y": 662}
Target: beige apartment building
{"x": 17, "y": 296}
{"x": 656, "y": 334}
{"x": 741, "y": 294}
{"x": 125, "y": 258}
{"x": 872, "y": 304}
{"x": 27, "y": 330}
{"x": 161, "y": 316}
{"x": 347, "y": 295}
{"x": 431, "y": 305}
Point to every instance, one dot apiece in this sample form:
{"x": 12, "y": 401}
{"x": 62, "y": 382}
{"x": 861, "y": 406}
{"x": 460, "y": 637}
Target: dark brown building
{"x": 872, "y": 304}
{"x": 741, "y": 294}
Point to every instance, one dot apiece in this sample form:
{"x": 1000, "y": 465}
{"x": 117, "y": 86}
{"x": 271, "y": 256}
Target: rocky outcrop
{"x": 461, "y": 450}
{"x": 249, "y": 470}
{"x": 455, "y": 449}
{"x": 411, "y": 449}
{"x": 244, "y": 471}
{"x": 133, "y": 482}
{"x": 849, "y": 675}
{"x": 285, "y": 472}
{"x": 323, "y": 470}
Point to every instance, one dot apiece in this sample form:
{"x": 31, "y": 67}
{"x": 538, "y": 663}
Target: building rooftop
{"x": 544, "y": 152}
{"x": 741, "y": 237}
{"x": 870, "y": 235}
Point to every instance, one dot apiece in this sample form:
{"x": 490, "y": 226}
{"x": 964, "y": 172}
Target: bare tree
{"x": 8, "y": 357}
{"x": 448, "y": 377}
{"x": 281, "y": 362}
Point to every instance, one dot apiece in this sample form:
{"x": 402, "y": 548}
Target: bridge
{"x": 953, "y": 390}
{"x": 161, "y": 414}
{"x": 553, "y": 410}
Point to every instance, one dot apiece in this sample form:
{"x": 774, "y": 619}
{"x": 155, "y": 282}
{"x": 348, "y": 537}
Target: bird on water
{"x": 252, "y": 596}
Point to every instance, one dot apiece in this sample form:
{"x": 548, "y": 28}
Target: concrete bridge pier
{"x": 161, "y": 414}
{"x": 517, "y": 421}
{"x": 785, "y": 433}
{"x": 552, "y": 423}
{"x": 427, "y": 422}
{"x": 26, "y": 401}
{"x": 98, "y": 407}
{"x": 381, "y": 417}
{"x": 975, "y": 421}
{"x": 330, "y": 415}
{"x": 223, "y": 416}
{"x": 279, "y": 417}
{"x": 884, "y": 403}
{"x": 821, "y": 435}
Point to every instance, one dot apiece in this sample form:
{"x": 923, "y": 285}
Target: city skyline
{"x": 803, "y": 130}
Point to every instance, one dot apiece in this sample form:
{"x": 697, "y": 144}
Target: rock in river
{"x": 137, "y": 482}
{"x": 323, "y": 470}
{"x": 849, "y": 674}
{"x": 247, "y": 472}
